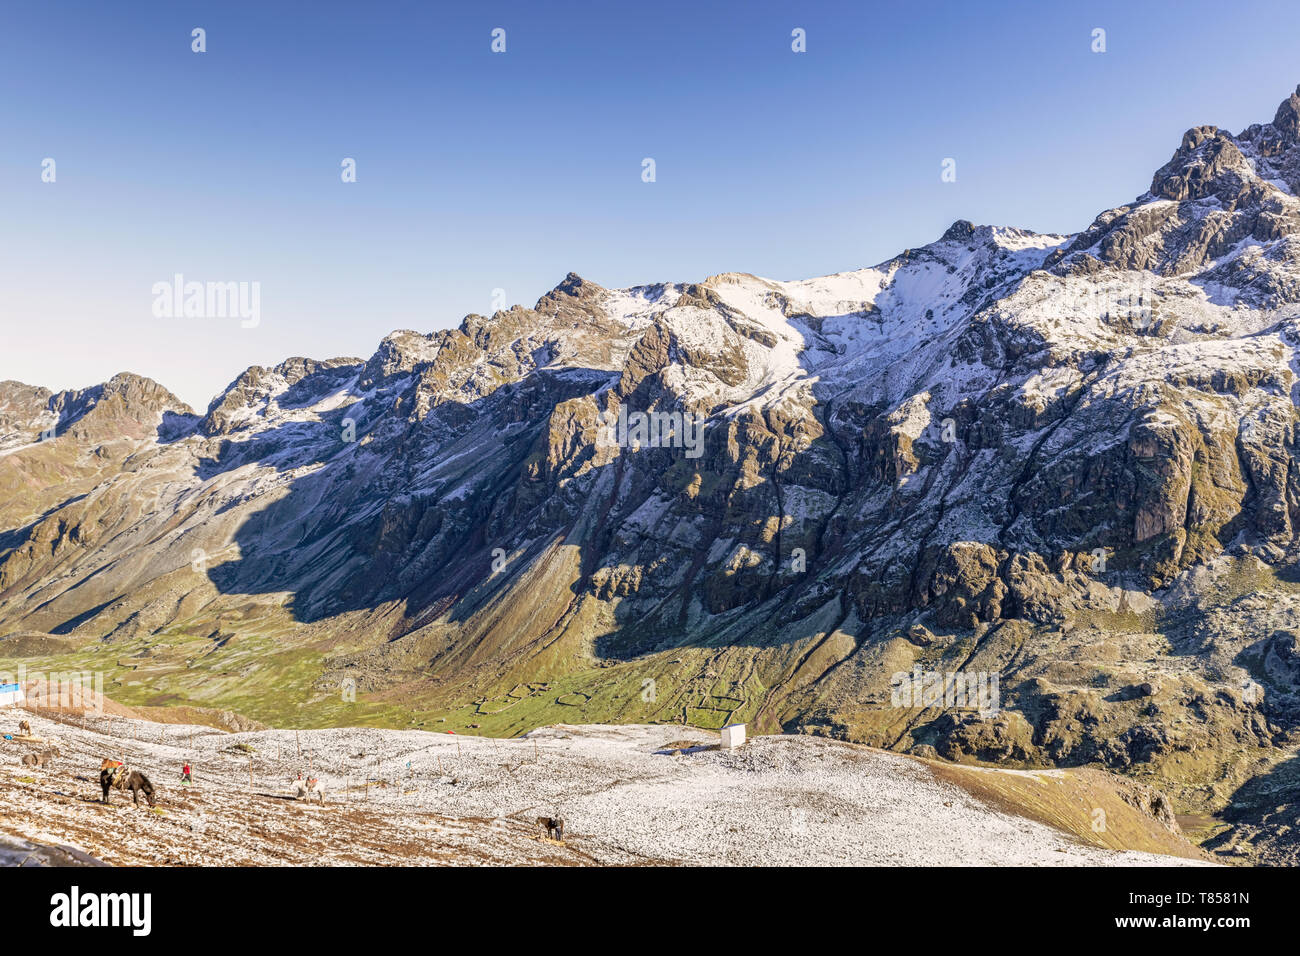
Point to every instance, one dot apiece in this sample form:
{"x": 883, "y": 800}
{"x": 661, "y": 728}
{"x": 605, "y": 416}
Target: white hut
{"x": 733, "y": 735}
{"x": 11, "y": 694}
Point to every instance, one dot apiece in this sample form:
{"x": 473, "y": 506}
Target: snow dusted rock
{"x": 15, "y": 851}
{"x": 247, "y": 400}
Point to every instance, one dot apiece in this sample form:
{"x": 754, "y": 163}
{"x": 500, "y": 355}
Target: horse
{"x": 305, "y": 788}
{"x": 554, "y": 827}
{"x": 114, "y": 775}
{"x": 24, "y": 728}
{"x": 38, "y": 760}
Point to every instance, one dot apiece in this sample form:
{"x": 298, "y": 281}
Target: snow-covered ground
{"x": 414, "y": 797}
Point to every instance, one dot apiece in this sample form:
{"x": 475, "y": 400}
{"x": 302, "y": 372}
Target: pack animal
{"x": 554, "y": 827}
{"x": 309, "y": 788}
{"x": 114, "y": 775}
{"x": 41, "y": 759}
{"x": 25, "y": 728}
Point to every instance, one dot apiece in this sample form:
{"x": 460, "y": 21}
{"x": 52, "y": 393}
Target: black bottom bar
{"x": 372, "y": 905}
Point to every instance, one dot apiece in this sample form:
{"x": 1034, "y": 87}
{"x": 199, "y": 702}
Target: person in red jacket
{"x": 185, "y": 775}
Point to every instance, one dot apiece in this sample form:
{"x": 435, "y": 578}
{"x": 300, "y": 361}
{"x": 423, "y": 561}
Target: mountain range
{"x": 1068, "y": 462}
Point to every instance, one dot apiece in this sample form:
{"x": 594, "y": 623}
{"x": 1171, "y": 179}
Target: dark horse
{"x": 554, "y": 827}
{"x": 113, "y": 776}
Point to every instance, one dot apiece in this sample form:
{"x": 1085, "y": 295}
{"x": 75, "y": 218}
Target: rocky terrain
{"x": 631, "y": 795}
{"x": 1067, "y": 461}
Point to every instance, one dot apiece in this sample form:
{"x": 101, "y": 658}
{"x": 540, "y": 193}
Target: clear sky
{"x": 479, "y": 171}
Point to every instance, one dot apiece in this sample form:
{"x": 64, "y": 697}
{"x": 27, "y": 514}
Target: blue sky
{"x": 478, "y": 171}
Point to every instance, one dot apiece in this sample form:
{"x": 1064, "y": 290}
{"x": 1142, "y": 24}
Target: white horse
{"x": 305, "y": 789}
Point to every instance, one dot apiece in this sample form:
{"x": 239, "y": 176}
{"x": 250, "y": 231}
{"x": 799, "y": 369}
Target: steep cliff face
{"x": 1063, "y": 462}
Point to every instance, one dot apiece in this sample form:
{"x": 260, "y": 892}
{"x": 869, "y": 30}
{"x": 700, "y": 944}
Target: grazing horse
{"x": 40, "y": 759}
{"x": 554, "y": 827}
{"x": 113, "y": 775}
{"x": 307, "y": 788}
